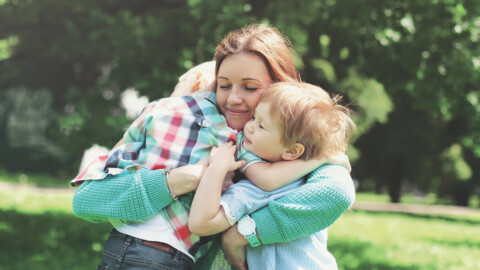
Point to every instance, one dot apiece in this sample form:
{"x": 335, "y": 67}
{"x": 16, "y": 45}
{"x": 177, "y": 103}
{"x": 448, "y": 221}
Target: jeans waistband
{"x": 176, "y": 254}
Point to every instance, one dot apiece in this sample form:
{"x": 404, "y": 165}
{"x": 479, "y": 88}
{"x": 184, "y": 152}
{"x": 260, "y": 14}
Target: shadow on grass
{"x": 49, "y": 241}
{"x": 360, "y": 255}
{"x": 468, "y": 243}
{"x": 467, "y": 220}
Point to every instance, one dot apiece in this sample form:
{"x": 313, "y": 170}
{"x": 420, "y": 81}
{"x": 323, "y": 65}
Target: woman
{"x": 247, "y": 60}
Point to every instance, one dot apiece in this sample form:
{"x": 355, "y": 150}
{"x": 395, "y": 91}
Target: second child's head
{"x": 297, "y": 120}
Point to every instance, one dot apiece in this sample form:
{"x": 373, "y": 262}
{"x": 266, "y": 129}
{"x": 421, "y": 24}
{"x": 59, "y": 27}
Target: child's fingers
{"x": 214, "y": 150}
{"x": 227, "y": 145}
{"x": 239, "y": 164}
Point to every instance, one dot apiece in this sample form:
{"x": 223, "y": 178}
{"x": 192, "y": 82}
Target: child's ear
{"x": 294, "y": 152}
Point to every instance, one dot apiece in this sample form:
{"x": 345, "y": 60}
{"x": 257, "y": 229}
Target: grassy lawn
{"x": 41, "y": 180}
{"x": 366, "y": 240}
{"x": 39, "y": 231}
{"x": 410, "y": 199}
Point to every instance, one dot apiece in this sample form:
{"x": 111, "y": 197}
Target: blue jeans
{"x": 122, "y": 251}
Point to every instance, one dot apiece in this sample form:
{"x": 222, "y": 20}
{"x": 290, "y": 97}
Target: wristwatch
{"x": 247, "y": 227}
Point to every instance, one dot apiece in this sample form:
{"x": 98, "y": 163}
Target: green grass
{"x": 40, "y": 180}
{"x": 366, "y": 240}
{"x": 51, "y": 240}
{"x": 430, "y": 199}
{"x": 25, "y": 200}
{"x": 39, "y": 231}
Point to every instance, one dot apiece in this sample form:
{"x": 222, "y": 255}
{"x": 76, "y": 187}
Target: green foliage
{"x": 6, "y": 46}
{"x": 409, "y": 68}
{"x": 456, "y": 164}
{"x": 369, "y": 95}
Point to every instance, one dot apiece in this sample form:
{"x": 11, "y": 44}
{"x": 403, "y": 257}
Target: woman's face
{"x": 241, "y": 79}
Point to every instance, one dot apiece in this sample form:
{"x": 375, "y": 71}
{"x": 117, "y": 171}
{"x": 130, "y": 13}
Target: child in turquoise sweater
{"x": 292, "y": 121}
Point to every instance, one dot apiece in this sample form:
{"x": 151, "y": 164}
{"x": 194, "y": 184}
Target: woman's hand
{"x": 185, "y": 179}
{"x": 233, "y": 245}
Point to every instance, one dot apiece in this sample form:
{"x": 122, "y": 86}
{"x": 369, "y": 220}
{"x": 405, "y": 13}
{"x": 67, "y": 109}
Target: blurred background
{"x": 74, "y": 74}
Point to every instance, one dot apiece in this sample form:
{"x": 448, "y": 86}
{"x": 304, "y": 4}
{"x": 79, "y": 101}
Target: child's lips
{"x": 247, "y": 140}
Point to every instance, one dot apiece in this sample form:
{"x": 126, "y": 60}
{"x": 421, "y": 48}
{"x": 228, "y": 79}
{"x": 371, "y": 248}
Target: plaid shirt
{"x": 170, "y": 132}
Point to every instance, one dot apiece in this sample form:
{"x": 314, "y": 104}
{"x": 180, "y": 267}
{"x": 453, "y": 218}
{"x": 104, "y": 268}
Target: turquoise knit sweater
{"x": 136, "y": 195}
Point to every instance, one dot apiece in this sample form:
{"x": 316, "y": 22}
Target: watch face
{"x": 246, "y": 226}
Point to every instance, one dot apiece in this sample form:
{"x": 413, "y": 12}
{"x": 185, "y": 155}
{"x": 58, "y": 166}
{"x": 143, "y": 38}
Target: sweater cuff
{"x": 267, "y": 227}
{"x": 156, "y": 188}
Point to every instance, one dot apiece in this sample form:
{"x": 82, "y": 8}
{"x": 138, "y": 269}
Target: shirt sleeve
{"x": 242, "y": 198}
{"x": 243, "y": 154}
{"x": 327, "y": 194}
{"x": 131, "y": 195}
{"x": 113, "y": 163}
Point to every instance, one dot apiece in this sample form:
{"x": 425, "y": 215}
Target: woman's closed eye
{"x": 226, "y": 86}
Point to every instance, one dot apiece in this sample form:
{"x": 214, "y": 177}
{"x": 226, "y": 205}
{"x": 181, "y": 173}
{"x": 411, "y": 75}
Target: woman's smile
{"x": 237, "y": 112}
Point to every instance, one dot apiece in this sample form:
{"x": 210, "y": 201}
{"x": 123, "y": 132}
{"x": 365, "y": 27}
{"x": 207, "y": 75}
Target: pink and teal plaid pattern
{"x": 170, "y": 132}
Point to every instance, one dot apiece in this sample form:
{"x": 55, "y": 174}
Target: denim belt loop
{"x": 176, "y": 255}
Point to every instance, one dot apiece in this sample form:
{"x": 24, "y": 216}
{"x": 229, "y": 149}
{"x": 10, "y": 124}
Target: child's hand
{"x": 340, "y": 159}
{"x": 224, "y": 157}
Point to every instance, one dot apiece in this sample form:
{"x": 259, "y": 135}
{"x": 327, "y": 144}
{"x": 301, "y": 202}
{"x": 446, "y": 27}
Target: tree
{"x": 410, "y": 70}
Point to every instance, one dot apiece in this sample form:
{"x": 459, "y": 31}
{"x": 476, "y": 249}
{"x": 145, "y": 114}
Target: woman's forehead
{"x": 243, "y": 66}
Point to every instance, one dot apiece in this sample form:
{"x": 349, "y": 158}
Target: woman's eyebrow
{"x": 251, "y": 79}
{"x": 220, "y": 77}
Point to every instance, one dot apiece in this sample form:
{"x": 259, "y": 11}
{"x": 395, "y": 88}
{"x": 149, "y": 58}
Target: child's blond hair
{"x": 310, "y": 116}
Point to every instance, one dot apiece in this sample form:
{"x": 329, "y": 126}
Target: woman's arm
{"x": 327, "y": 194}
{"x": 133, "y": 195}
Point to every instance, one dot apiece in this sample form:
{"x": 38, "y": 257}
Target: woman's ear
{"x": 294, "y": 152}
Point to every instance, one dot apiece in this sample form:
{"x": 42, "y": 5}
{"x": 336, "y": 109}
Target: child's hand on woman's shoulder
{"x": 223, "y": 156}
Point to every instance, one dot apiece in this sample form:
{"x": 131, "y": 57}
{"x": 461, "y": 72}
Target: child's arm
{"x": 270, "y": 176}
{"x": 206, "y": 216}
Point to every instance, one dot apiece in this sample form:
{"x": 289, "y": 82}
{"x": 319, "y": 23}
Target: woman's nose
{"x": 235, "y": 96}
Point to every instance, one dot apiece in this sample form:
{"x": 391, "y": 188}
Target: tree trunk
{"x": 395, "y": 180}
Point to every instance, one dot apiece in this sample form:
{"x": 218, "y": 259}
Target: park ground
{"x": 39, "y": 231}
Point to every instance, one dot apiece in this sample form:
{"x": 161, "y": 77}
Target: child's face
{"x": 262, "y": 135}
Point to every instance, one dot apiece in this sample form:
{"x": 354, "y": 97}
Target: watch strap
{"x": 253, "y": 240}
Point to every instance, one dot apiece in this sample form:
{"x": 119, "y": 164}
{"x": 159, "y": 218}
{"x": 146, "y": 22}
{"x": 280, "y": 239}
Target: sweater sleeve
{"x": 327, "y": 194}
{"x": 130, "y": 196}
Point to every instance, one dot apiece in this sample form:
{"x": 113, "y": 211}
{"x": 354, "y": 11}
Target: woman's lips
{"x": 236, "y": 112}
